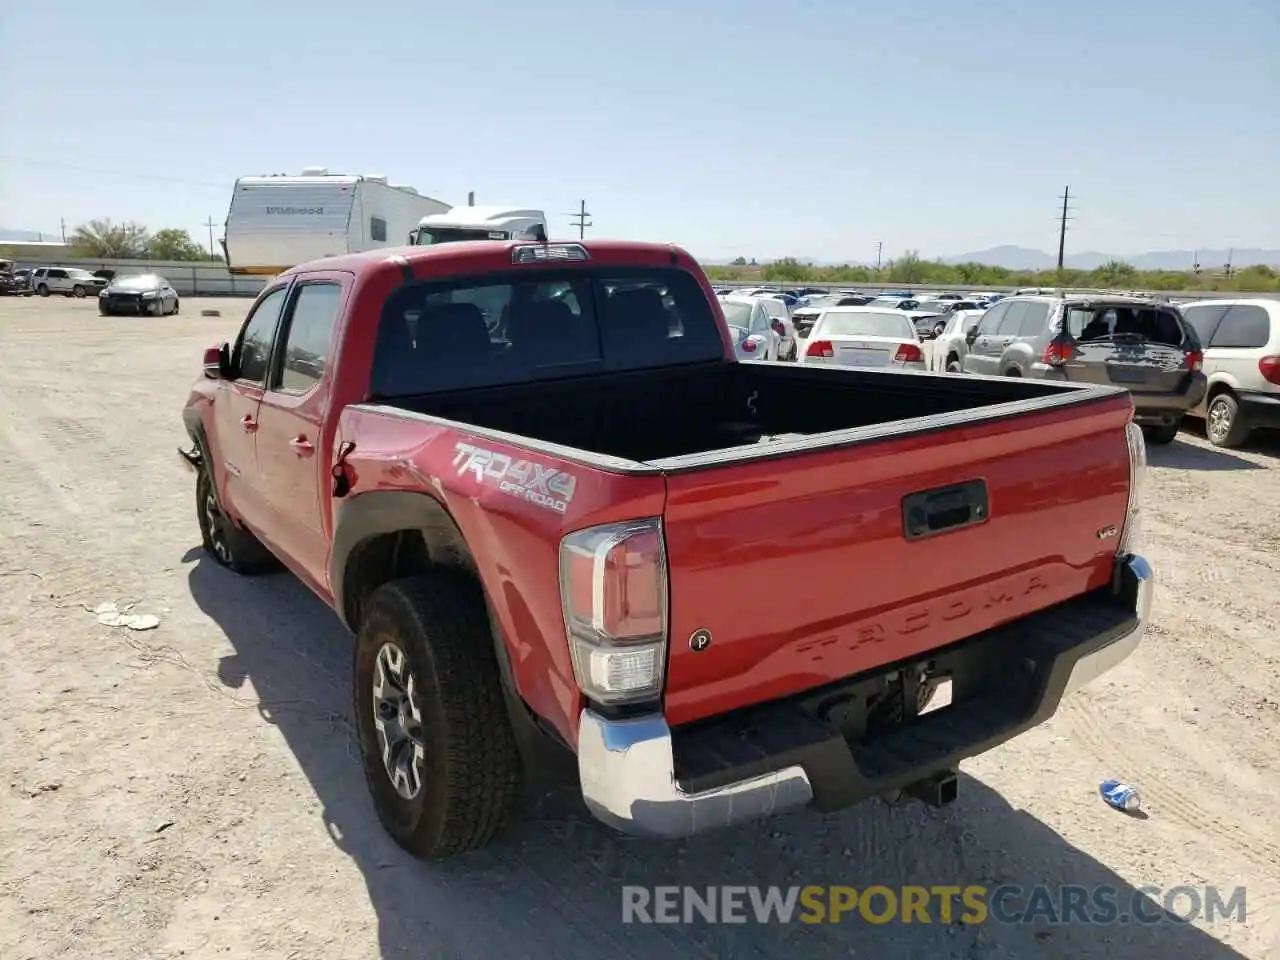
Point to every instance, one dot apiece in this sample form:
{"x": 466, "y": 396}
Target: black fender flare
{"x": 194, "y": 423}
{"x": 386, "y": 511}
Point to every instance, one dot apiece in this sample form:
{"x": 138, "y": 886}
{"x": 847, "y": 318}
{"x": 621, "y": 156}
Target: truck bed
{"x": 671, "y": 417}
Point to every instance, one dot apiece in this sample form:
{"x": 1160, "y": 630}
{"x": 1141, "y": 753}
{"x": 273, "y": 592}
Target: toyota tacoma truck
{"x": 553, "y": 509}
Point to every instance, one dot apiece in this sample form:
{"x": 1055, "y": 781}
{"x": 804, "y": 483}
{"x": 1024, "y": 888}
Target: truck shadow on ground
{"x": 1180, "y": 455}
{"x": 553, "y": 886}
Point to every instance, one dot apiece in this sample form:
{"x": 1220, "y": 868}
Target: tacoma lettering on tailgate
{"x": 525, "y": 479}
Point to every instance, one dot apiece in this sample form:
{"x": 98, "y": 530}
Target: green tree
{"x": 111, "y": 241}
{"x": 908, "y": 268}
{"x": 740, "y": 262}
{"x": 174, "y": 244}
{"x": 1114, "y": 273}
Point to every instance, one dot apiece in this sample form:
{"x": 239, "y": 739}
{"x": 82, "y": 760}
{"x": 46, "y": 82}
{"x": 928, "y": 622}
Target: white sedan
{"x": 863, "y": 337}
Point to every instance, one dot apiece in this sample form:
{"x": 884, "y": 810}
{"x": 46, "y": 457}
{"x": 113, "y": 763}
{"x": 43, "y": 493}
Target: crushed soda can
{"x": 1120, "y": 796}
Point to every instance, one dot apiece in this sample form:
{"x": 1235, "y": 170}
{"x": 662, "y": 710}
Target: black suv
{"x": 1138, "y": 343}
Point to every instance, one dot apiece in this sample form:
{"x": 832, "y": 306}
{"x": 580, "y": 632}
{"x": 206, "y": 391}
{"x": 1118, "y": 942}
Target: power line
{"x": 30, "y": 162}
{"x": 581, "y": 219}
{"x": 1062, "y": 230}
{"x": 210, "y": 224}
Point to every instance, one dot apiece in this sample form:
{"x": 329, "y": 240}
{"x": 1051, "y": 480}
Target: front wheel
{"x": 43, "y": 290}
{"x": 176, "y": 305}
{"x": 78, "y": 292}
{"x": 1224, "y": 424}
{"x": 439, "y": 755}
{"x": 231, "y": 546}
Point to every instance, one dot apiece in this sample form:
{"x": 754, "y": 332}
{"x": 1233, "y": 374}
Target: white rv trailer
{"x": 480, "y": 223}
{"x": 278, "y": 222}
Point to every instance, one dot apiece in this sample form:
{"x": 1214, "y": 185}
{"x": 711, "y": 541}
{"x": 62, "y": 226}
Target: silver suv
{"x": 1138, "y": 343}
{"x": 68, "y": 281}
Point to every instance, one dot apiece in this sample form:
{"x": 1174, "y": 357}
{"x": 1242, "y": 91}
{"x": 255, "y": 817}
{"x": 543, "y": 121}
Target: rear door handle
{"x": 249, "y": 423}
{"x": 302, "y": 446}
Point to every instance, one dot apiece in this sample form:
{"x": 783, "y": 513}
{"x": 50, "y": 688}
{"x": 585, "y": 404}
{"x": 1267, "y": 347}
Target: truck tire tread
{"x": 473, "y": 788}
{"x": 245, "y": 553}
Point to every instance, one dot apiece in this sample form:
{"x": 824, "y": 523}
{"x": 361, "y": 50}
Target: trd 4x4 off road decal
{"x": 525, "y": 479}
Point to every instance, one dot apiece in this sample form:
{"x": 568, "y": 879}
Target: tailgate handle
{"x": 944, "y": 508}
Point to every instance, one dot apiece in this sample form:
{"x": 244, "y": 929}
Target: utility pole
{"x": 581, "y": 218}
{"x": 879, "y": 247}
{"x": 62, "y": 223}
{"x": 1062, "y": 228}
{"x": 210, "y": 224}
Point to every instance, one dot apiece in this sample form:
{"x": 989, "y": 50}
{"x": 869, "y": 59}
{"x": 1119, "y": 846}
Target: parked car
{"x": 569, "y": 534}
{"x": 147, "y": 293}
{"x": 69, "y": 281}
{"x": 778, "y": 320}
{"x": 1241, "y": 339}
{"x": 931, "y": 317}
{"x": 948, "y": 350}
{"x": 863, "y": 337}
{"x": 1137, "y": 343}
{"x": 13, "y": 281}
{"x": 754, "y": 337}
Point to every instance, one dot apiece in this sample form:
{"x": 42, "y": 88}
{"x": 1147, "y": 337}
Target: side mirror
{"x": 971, "y": 336}
{"x": 409, "y": 241}
{"x": 217, "y": 362}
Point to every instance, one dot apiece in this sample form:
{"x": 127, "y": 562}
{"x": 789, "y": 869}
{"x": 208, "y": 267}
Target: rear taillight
{"x": 1137, "y": 480}
{"x": 1195, "y": 360}
{"x": 1058, "y": 353}
{"x": 1269, "y": 367}
{"x": 820, "y": 348}
{"x": 908, "y": 353}
{"x": 613, "y": 589}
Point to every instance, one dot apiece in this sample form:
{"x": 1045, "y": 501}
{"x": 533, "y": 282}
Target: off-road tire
{"x": 243, "y": 553}
{"x": 471, "y": 780}
{"x": 1238, "y": 429}
{"x": 1158, "y": 436}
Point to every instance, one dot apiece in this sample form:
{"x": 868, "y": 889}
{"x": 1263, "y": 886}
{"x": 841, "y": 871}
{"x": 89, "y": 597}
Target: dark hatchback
{"x": 144, "y": 294}
{"x": 1141, "y": 344}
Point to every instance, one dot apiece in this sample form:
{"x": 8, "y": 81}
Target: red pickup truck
{"x": 534, "y": 482}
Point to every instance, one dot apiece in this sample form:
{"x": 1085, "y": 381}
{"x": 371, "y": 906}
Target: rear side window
{"x": 532, "y": 325}
{"x": 1012, "y": 320}
{"x": 1244, "y": 326}
{"x": 1204, "y": 320}
{"x": 1034, "y": 320}
{"x": 306, "y": 345}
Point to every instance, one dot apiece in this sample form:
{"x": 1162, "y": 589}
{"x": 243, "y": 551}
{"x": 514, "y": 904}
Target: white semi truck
{"x": 278, "y": 222}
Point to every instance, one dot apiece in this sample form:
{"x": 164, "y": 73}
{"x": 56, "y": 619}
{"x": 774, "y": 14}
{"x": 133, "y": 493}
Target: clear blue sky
{"x": 729, "y": 126}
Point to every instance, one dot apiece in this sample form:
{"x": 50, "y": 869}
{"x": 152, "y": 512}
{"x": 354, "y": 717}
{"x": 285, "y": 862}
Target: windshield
{"x": 736, "y": 314}
{"x": 432, "y": 235}
{"x": 877, "y": 324}
{"x": 80, "y": 274}
{"x": 142, "y": 282}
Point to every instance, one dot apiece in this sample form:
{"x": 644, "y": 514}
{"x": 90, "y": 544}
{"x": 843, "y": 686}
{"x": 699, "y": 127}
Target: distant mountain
{"x": 1025, "y": 258}
{"x": 25, "y": 236}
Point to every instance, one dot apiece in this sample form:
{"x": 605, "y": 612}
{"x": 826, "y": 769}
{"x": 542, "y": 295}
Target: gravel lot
{"x": 193, "y": 790}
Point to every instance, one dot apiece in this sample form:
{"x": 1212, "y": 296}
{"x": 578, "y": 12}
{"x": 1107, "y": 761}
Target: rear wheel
{"x": 1162, "y": 434}
{"x": 439, "y": 755}
{"x": 953, "y": 364}
{"x": 43, "y": 290}
{"x": 1013, "y": 372}
{"x": 1224, "y": 424}
{"x": 176, "y": 305}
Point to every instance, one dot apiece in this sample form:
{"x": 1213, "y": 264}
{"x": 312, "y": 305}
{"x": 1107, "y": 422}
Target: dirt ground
{"x": 193, "y": 790}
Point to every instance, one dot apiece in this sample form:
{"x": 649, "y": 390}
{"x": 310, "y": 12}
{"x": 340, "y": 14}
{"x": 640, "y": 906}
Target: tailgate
{"x": 800, "y": 568}
{"x": 1137, "y": 365}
